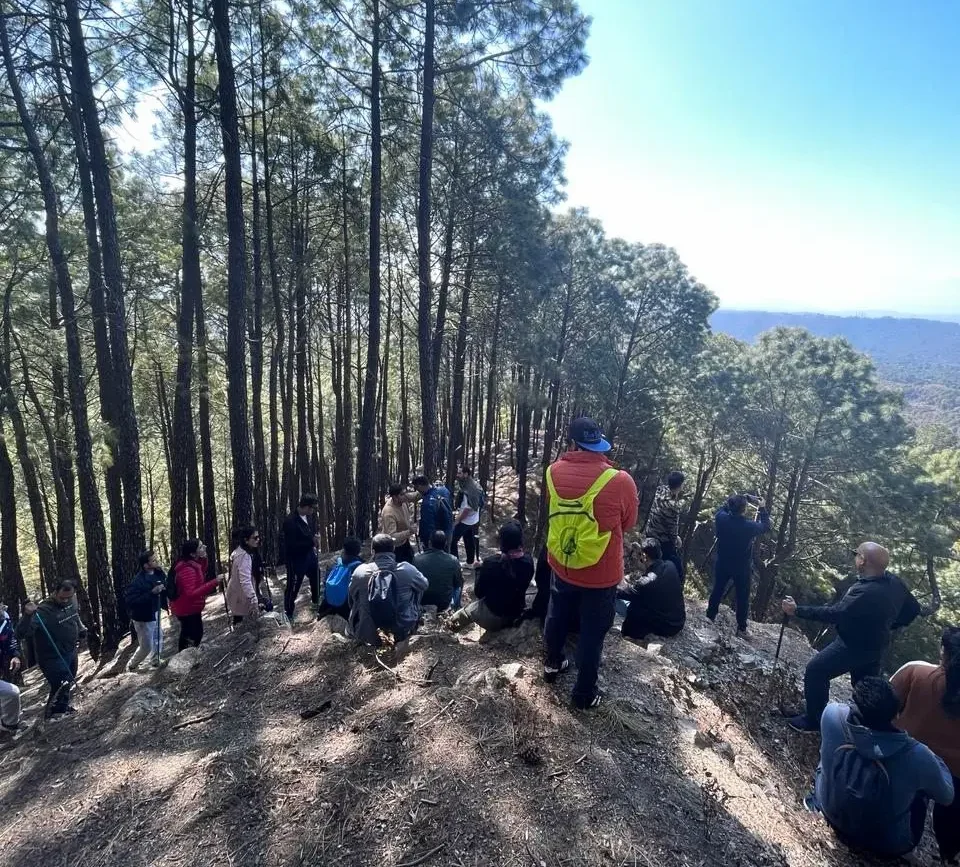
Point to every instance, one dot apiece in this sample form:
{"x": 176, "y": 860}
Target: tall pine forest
{"x": 338, "y": 255}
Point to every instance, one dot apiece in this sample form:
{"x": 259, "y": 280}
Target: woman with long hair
{"x": 189, "y": 574}
{"x": 241, "y": 594}
{"x": 930, "y": 699}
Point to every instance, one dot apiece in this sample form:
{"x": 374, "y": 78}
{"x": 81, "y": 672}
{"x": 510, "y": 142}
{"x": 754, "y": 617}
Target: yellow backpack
{"x": 573, "y": 535}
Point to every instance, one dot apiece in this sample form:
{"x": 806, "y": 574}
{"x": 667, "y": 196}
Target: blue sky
{"x": 799, "y": 154}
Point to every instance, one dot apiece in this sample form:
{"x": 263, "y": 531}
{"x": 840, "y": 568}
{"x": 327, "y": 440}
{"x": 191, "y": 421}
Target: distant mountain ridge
{"x": 921, "y": 356}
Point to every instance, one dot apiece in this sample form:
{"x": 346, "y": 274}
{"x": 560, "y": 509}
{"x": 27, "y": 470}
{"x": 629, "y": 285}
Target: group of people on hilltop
{"x": 882, "y": 759}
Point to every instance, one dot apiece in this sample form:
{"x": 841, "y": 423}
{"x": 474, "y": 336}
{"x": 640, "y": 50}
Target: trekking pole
{"x": 783, "y": 628}
{"x": 71, "y": 677}
{"x": 159, "y": 630}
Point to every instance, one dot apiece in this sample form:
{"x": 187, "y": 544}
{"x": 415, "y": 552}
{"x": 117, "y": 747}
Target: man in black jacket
{"x": 656, "y": 597}
{"x": 56, "y": 629}
{"x": 300, "y": 553}
{"x": 877, "y": 603}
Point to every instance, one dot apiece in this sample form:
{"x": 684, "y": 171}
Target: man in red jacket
{"x": 590, "y": 506}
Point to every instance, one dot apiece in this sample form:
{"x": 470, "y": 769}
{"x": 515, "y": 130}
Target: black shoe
{"x": 590, "y": 705}
{"x": 801, "y": 724}
{"x": 551, "y": 674}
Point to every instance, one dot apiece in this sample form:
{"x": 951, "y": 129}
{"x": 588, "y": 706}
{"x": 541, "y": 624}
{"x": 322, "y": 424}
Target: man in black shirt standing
{"x": 300, "y": 553}
{"x": 877, "y": 603}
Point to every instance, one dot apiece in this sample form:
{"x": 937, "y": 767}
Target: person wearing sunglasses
{"x": 241, "y": 593}
{"x": 877, "y": 603}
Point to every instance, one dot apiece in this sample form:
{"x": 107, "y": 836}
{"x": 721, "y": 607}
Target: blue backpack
{"x": 337, "y": 585}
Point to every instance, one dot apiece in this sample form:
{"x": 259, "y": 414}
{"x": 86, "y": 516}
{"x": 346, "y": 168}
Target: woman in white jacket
{"x": 241, "y": 592}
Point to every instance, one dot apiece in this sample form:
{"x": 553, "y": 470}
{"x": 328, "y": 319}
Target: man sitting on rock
{"x": 878, "y": 602}
{"x": 385, "y": 597}
{"x": 501, "y": 585}
{"x": 874, "y": 781}
{"x": 655, "y": 598}
{"x": 442, "y": 571}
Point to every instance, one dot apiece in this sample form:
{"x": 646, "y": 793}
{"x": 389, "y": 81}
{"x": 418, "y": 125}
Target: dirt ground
{"x": 297, "y": 748}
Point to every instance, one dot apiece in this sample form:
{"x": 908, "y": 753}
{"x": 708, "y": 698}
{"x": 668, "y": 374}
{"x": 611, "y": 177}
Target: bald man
{"x": 878, "y": 602}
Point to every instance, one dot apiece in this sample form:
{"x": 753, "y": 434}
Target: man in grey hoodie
{"x": 409, "y": 582}
{"x": 874, "y": 781}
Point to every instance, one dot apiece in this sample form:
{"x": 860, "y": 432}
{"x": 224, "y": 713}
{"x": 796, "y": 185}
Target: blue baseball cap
{"x": 586, "y": 433}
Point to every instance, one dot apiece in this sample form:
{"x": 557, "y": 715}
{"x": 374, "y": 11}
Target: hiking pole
{"x": 71, "y": 677}
{"x": 783, "y": 628}
{"x": 159, "y": 630}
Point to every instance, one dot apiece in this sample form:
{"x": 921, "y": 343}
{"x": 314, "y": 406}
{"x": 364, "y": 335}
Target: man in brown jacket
{"x": 395, "y": 521}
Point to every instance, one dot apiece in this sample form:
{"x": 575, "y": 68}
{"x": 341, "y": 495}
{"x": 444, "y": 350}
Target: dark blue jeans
{"x": 596, "y": 606}
{"x": 835, "y": 659}
{"x": 59, "y": 677}
{"x": 741, "y": 583}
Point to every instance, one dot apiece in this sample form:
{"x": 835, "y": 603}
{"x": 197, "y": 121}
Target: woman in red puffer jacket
{"x": 192, "y": 589}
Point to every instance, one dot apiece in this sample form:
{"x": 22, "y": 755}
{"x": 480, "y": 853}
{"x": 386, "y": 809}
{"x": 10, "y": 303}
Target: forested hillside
{"x": 921, "y": 356}
{"x": 342, "y": 262}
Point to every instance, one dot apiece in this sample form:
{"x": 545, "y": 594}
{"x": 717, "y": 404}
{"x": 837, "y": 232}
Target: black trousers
{"x": 296, "y": 572}
{"x": 946, "y": 825}
{"x": 191, "y": 631}
{"x": 669, "y": 551}
{"x": 741, "y": 584}
{"x": 639, "y": 624}
{"x": 834, "y": 660}
{"x": 596, "y": 608}
{"x": 404, "y": 552}
{"x": 59, "y": 677}
{"x": 467, "y": 532}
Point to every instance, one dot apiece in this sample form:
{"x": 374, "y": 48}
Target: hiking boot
{"x": 590, "y": 705}
{"x": 743, "y": 634}
{"x": 801, "y": 724}
{"x": 550, "y": 674}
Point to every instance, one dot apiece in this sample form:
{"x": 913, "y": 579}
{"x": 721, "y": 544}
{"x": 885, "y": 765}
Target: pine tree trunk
{"x": 98, "y": 566}
{"x": 210, "y": 531}
{"x": 12, "y": 586}
{"x": 191, "y": 287}
{"x": 303, "y": 453}
{"x": 236, "y": 270}
{"x": 366, "y": 458}
{"x": 458, "y": 445}
{"x": 346, "y": 452}
{"x": 428, "y": 387}
{"x": 65, "y": 540}
{"x": 127, "y": 433}
{"x": 266, "y": 525}
{"x": 490, "y": 412}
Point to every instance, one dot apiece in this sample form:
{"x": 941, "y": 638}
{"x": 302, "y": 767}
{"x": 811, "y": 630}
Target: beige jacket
{"x": 395, "y": 521}
{"x": 240, "y": 595}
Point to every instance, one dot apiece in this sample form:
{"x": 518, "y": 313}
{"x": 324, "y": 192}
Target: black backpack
{"x": 170, "y": 584}
{"x": 383, "y": 599}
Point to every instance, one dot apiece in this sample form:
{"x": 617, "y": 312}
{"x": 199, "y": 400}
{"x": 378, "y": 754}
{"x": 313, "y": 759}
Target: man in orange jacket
{"x": 590, "y": 506}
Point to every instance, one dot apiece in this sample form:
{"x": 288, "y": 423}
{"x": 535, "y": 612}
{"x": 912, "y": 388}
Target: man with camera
{"x": 735, "y": 535}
